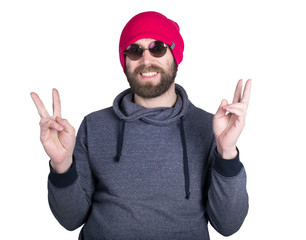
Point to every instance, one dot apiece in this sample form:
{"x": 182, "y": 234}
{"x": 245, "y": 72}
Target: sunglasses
{"x": 157, "y": 49}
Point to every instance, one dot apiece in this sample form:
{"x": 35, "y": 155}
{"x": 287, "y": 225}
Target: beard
{"x": 148, "y": 90}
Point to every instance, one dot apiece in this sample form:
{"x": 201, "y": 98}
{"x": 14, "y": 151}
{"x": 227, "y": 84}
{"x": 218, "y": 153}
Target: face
{"x": 150, "y": 77}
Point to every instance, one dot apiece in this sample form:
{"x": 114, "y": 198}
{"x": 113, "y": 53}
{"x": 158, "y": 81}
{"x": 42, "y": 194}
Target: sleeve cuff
{"x": 63, "y": 180}
{"x": 227, "y": 167}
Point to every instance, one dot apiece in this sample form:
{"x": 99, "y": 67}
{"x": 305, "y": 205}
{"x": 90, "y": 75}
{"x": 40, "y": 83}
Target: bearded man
{"x": 152, "y": 166}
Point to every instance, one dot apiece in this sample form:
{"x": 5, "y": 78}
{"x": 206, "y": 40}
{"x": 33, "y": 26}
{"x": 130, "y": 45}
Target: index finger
{"x": 42, "y": 111}
{"x": 238, "y": 90}
{"x": 247, "y": 92}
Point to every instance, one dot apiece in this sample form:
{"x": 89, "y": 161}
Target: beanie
{"x": 152, "y": 25}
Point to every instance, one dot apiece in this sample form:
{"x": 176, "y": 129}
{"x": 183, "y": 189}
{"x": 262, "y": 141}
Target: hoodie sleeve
{"x": 227, "y": 203}
{"x": 69, "y": 194}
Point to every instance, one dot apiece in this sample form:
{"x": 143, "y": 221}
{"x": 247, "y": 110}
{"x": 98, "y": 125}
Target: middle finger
{"x": 238, "y": 91}
{"x": 56, "y": 103}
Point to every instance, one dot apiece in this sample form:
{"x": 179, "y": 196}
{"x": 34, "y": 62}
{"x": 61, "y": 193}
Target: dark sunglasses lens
{"x": 134, "y": 52}
{"x": 158, "y": 49}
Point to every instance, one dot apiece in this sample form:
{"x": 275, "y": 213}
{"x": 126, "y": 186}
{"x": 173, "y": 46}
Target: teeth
{"x": 149, "y": 74}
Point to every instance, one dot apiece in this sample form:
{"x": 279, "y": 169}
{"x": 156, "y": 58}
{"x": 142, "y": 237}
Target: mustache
{"x": 151, "y": 68}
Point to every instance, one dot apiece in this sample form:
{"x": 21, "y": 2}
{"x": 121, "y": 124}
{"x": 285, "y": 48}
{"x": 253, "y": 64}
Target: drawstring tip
{"x": 187, "y": 195}
{"x": 117, "y": 158}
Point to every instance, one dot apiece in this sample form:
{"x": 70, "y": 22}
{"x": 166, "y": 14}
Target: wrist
{"x": 61, "y": 167}
{"x": 227, "y": 167}
{"x": 65, "y": 179}
{"x": 230, "y": 153}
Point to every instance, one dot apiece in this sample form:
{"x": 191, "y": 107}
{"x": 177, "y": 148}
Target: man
{"x": 152, "y": 166}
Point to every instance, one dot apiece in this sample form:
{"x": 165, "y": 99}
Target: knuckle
{"x": 44, "y": 121}
{"x": 65, "y": 121}
{"x": 42, "y": 139}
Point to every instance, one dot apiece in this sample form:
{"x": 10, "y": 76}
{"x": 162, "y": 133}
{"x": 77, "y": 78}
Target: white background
{"x": 73, "y": 46}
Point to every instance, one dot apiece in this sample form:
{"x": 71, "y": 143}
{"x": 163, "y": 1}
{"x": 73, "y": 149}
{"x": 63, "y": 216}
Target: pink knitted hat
{"x": 152, "y": 25}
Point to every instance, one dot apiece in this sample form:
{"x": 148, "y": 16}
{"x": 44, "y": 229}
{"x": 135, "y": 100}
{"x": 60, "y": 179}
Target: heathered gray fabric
{"x": 142, "y": 196}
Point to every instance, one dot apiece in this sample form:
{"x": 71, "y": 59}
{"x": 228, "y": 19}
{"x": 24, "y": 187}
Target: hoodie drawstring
{"x": 185, "y": 159}
{"x": 120, "y": 140}
{"x": 184, "y": 145}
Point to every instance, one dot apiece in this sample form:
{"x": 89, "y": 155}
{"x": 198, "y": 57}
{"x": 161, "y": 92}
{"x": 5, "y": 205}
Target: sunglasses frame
{"x": 165, "y": 46}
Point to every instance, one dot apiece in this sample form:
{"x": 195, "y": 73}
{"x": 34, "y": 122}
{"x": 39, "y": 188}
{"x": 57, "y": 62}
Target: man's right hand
{"x": 56, "y": 134}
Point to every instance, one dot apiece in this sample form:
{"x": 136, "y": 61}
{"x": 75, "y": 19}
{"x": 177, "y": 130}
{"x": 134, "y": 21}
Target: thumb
{"x": 221, "y": 112}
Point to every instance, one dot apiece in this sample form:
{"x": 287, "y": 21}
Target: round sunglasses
{"x": 157, "y": 49}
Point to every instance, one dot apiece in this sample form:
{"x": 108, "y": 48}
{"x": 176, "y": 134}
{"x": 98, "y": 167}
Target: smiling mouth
{"x": 148, "y": 74}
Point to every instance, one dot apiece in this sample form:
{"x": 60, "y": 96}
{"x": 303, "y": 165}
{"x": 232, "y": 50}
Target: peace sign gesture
{"x": 56, "y": 134}
{"x": 228, "y": 127}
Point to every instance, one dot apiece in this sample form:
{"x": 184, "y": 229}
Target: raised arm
{"x": 227, "y": 204}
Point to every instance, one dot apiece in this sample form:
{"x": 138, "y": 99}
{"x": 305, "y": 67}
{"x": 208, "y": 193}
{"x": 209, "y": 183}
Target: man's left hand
{"x": 229, "y": 121}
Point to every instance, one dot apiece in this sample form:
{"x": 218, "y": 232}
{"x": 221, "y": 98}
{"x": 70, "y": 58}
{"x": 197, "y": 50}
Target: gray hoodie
{"x": 143, "y": 173}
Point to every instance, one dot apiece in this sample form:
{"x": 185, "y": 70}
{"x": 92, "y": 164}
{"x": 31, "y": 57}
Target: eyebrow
{"x": 141, "y": 45}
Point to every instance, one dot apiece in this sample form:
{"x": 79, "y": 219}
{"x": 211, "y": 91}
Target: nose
{"x": 146, "y": 57}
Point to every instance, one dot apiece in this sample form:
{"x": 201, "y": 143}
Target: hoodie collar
{"x": 129, "y": 111}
